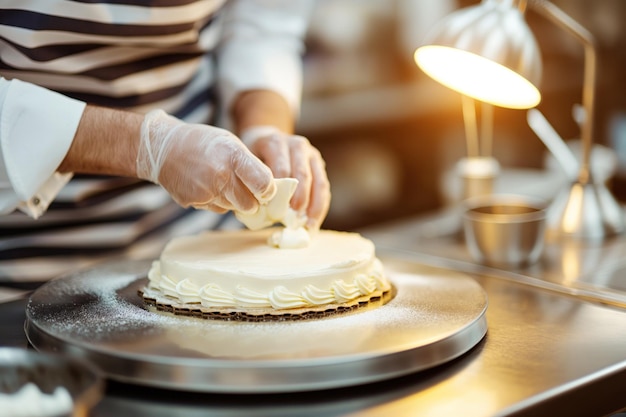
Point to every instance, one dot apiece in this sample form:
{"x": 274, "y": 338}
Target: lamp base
{"x": 478, "y": 175}
{"x": 585, "y": 211}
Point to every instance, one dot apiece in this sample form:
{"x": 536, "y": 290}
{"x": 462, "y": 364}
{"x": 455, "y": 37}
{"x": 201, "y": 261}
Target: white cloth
{"x": 36, "y": 130}
{"x": 261, "y": 49}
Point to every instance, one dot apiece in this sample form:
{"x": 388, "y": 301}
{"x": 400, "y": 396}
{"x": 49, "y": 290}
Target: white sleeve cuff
{"x": 37, "y": 127}
{"x": 39, "y": 203}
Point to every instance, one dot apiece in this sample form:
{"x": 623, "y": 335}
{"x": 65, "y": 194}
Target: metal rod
{"x": 471, "y": 126}
{"x": 561, "y": 19}
{"x": 486, "y": 129}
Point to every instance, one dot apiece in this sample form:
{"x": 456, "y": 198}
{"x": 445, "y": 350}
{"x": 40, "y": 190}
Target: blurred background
{"x": 389, "y": 133}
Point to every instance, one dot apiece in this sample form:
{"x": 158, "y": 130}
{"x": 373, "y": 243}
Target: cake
{"x": 266, "y": 272}
{"x": 241, "y": 275}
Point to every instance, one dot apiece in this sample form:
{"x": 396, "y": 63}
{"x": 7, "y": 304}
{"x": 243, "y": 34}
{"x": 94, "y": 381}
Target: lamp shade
{"x": 486, "y": 52}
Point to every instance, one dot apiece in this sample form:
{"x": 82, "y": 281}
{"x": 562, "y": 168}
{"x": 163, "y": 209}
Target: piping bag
{"x": 277, "y": 210}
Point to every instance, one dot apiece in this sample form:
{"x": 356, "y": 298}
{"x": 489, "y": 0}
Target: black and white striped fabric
{"x": 132, "y": 54}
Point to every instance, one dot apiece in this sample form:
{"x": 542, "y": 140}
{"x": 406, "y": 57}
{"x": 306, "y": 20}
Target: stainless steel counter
{"x": 556, "y": 344}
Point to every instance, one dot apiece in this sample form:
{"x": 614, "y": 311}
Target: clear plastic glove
{"x": 201, "y": 166}
{"x": 294, "y": 156}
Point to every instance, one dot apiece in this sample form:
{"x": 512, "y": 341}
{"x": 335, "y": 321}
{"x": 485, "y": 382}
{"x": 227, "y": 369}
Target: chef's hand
{"x": 201, "y": 166}
{"x": 294, "y": 156}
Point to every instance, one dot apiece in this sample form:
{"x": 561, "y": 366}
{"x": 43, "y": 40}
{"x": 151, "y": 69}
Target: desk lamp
{"x": 488, "y": 53}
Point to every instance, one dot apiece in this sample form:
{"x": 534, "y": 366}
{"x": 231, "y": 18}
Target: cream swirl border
{"x": 211, "y": 295}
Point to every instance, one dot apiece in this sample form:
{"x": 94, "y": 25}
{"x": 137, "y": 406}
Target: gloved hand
{"x": 294, "y": 156}
{"x": 201, "y": 166}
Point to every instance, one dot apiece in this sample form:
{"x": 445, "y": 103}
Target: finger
{"x": 274, "y": 151}
{"x": 220, "y": 203}
{"x": 320, "y": 194}
{"x": 210, "y": 207}
{"x": 239, "y": 198}
{"x": 255, "y": 176}
{"x": 300, "y": 153}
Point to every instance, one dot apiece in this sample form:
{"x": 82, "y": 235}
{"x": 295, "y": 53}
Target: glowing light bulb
{"x": 477, "y": 77}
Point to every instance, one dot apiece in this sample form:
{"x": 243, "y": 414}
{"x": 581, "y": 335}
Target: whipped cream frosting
{"x": 30, "y": 401}
{"x": 237, "y": 268}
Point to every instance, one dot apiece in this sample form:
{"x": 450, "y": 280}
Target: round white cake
{"x": 239, "y": 269}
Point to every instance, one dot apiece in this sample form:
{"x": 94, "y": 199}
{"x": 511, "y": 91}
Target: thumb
{"x": 255, "y": 175}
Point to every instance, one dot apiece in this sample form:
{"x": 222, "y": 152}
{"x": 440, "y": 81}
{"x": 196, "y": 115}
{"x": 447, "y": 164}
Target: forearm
{"x": 105, "y": 143}
{"x": 262, "y": 108}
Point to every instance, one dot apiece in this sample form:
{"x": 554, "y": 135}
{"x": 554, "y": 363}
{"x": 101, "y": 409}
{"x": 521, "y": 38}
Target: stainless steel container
{"x": 505, "y": 231}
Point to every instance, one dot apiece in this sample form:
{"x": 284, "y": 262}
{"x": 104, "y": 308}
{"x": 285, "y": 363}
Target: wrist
{"x": 253, "y": 133}
{"x": 262, "y": 108}
{"x": 154, "y": 135}
{"x": 105, "y": 143}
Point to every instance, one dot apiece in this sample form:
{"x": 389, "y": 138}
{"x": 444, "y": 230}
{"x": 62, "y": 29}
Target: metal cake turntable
{"x": 437, "y": 315}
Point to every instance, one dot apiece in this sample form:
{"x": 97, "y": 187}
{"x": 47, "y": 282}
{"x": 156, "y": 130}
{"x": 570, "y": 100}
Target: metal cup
{"x": 504, "y": 231}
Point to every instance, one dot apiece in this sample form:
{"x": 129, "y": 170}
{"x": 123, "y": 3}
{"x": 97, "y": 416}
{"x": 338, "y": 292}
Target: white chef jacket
{"x": 260, "y": 48}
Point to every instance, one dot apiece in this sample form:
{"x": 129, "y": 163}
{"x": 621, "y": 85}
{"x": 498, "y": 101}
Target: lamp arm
{"x": 564, "y": 21}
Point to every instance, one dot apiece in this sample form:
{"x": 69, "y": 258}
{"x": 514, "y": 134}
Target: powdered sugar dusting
{"x": 101, "y": 309}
